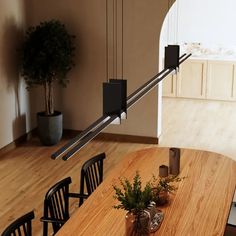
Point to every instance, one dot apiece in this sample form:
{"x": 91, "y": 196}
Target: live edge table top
{"x": 200, "y": 206}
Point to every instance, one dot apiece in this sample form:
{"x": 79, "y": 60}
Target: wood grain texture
{"x": 27, "y": 172}
{"x": 199, "y": 207}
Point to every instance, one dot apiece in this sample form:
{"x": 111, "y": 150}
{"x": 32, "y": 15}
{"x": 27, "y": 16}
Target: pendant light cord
{"x": 113, "y": 39}
{"x": 122, "y": 39}
{"x": 177, "y": 23}
{"x": 116, "y": 38}
{"x": 107, "y": 52}
{"x": 168, "y": 15}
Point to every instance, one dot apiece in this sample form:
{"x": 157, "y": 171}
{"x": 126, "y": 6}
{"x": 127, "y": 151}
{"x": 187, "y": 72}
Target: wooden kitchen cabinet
{"x": 221, "y": 80}
{"x": 169, "y": 86}
{"x": 191, "y": 80}
{"x": 203, "y": 79}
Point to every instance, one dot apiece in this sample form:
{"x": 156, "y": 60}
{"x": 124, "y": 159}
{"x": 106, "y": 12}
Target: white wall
{"x": 81, "y": 101}
{"x": 14, "y": 99}
{"x": 211, "y": 23}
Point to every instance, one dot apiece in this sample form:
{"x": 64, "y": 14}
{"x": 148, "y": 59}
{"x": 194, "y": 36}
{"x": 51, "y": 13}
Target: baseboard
{"x": 115, "y": 137}
{"x": 17, "y": 142}
{"x": 68, "y": 133}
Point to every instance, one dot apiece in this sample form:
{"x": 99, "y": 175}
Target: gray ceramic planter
{"x": 49, "y": 128}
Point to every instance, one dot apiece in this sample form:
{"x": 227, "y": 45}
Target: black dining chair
{"x": 56, "y": 206}
{"x": 230, "y": 229}
{"x": 20, "y": 227}
{"x": 91, "y": 176}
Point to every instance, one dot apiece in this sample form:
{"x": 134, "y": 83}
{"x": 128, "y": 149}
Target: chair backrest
{"x": 56, "y": 204}
{"x": 92, "y": 173}
{"x": 21, "y": 226}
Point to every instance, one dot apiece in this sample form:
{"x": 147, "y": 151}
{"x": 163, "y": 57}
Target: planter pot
{"x": 49, "y": 128}
{"x": 138, "y": 224}
{"x": 161, "y": 198}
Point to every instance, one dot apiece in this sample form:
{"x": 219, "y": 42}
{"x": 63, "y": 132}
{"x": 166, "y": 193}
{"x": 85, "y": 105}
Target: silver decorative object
{"x": 156, "y": 217}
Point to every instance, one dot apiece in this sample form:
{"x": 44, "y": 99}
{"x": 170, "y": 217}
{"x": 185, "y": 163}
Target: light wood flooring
{"x": 200, "y": 124}
{"x": 28, "y": 171}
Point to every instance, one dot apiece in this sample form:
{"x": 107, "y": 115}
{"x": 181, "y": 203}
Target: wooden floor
{"x": 200, "y": 124}
{"x": 27, "y": 171}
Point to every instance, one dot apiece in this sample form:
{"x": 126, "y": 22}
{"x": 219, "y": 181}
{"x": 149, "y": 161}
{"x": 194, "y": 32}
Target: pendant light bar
{"x": 131, "y": 96}
{"x": 184, "y": 57}
{"x": 79, "y": 137}
{"x": 94, "y": 129}
{"x": 147, "y": 87}
{"x": 89, "y": 137}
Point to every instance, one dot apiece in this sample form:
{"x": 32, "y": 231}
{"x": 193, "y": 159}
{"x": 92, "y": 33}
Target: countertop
{"x": 214, "y": 57}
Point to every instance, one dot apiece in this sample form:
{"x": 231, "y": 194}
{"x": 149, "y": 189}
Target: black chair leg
{"x": 81, "y": 201}
{"x": 45, "y": 229}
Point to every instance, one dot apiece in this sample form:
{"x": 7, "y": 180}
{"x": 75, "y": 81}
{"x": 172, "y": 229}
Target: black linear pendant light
{"x": 172, "y": 57}
{"x": 172, "y": 52}
{"x": 115, "y": 90}
{"x": 114, "y": 98}
{"x": 115, "y": 101}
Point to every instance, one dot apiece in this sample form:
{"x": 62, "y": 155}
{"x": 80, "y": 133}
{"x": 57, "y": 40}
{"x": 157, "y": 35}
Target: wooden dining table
{"x": 200, "y": 205}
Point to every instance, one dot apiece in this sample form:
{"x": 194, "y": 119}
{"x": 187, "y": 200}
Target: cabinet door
{"x": 191, "y": 80}
{"x": 221, "y": 80}
{"x": 169, "y": 86}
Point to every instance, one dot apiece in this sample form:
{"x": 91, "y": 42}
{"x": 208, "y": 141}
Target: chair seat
{"x": 232, "y": 215}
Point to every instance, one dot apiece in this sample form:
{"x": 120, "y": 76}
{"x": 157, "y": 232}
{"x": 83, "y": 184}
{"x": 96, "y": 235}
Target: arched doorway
{"x": 207, "y": 121}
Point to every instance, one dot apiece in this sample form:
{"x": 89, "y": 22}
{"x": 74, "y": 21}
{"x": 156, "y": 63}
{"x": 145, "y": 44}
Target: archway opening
{"x": 199, "y": 102}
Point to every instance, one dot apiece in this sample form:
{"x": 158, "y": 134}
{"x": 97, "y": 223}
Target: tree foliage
{"x": 47, "y": 55}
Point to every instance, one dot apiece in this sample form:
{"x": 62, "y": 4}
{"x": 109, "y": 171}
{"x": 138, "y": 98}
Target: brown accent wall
{"x": 81, "y": 102}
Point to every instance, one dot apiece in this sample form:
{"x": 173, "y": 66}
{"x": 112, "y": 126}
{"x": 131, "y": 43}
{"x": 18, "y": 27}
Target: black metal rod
{"x": 88, "y": 138}
{"x": 144, "y": 85}
{"x": 94, "y": 129}
{"x": 148, "y": 89}
{"x": 185, "y": 58}
{"x": 78, "y": 137}
{"x": 149, "y": 81}
{"x": 152, "y": 83}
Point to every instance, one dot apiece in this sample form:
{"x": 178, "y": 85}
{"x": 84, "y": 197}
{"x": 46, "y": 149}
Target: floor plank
{"x": 200, "y": 124}
{"x": 27, "y": 171}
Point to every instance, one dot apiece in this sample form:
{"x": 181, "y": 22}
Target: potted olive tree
{"x": 47, "y": 55}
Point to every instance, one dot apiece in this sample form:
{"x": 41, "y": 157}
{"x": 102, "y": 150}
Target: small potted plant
{"x": 47, "y": 55}
{"x": 135, "y": 200}
{"x": 162, "y": 187}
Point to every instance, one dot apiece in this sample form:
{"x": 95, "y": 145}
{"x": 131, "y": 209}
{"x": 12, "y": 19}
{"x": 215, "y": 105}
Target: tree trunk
{"x": 48, "y": 95}
{"x": 51, "y": 101}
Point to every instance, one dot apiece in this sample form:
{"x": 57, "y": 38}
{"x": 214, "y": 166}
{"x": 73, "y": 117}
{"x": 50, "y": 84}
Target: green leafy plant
{"x": 162, "y": 186}
{"x": 135, "y": 200}
{"x": 47, "y": 55}
{"x": 131, "y": 196}
{"x": 166, "y": 183}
